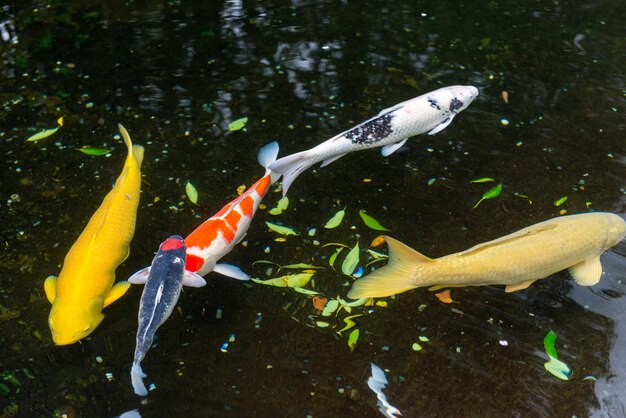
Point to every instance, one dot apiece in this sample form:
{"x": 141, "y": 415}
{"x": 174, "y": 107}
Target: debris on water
{"x": 421, "y": 308}
{"x": 312, "y": 232}
{"x": 257, "y": 321}
{"x": 218, "y": 313}
{"x": 377, "y": 382}
{"x": 99, "y": 359}
{"x": 416, "y": 347}
{"x": 358, "y": 273}
{"x": 431, "y": 181}
{"x": 504, "y": 343}
{"x": 423, "y": 338}
{"x": 445, "y": 296}
{"x": 109, "y": 376}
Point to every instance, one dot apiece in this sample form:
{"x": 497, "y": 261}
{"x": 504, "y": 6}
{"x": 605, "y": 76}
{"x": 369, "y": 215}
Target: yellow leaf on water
{"x": 445, "y": 296}
{"x": 241, "y": 189}
{"x": 379, "y": 240}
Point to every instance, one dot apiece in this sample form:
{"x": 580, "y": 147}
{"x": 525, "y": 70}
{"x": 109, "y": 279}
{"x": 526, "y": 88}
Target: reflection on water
{"x": 176, "y": 73}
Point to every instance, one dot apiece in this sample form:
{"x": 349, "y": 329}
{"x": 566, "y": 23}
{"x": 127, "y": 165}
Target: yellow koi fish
{"x": 85, "y": 285}
{"x": 516, "y": 260}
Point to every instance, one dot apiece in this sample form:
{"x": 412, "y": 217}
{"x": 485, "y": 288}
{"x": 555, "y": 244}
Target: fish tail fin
{"x": 136, "y": 377}
{"x": 396, "y": 277}
{"x": 291, "y": 166}
{"x": 135, "y": 150}
{"x": 267, "y": 155}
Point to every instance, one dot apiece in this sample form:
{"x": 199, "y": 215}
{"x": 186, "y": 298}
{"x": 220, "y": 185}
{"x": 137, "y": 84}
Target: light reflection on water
{"x": 177, "y": 73}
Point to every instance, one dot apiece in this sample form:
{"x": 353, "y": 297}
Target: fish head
{"x": 70, "y": 322}
{"x": 459, "y": 97}
{"x": 616, "y": 230}
{"x": 175, "y": 242}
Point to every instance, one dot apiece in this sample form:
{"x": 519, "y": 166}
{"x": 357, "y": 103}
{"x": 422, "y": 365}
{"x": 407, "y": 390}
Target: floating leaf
{"x": 290, "y": 280}
{"x": 555, "y": 367}
{"x": 490, "y": 194}
{"x": 300, "y": 266}
{"x": 336, "y": 219}
{"x": 319, "y": 302}
{"x": 281, "y": 206}
{"x": 335, "y": 244}
{"x": 192, "y": 193}
{"x": 416, "y": 347}
{"x": 283, "y": 230}
{"x": 43, "y": 134}
{"x": 444, "y": 296}
{"x": 482, "y": 180}
{"x": 241, "y": 189}
{"x": 530, "y": 202}
{"x": 348, "y": 320}
{"x": 330, "y": 307}
{"x": 237, "y": 124}
{"x": 371, "y": 221}
{"x": 560, "y": 201}
{"x": 266, "y": 262}
{"x": 333, "y": 257}
{"x": 352, "y": 339}
{"x": 94, "y": 151}
{"x": 322, "y": 324}
{"x": 587, "y": 203}
{"x": 379, "y": 240}
{"x": 305, "y": 291}
{"x": 351, "y": 261}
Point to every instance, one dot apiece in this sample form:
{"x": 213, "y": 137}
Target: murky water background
{"x": 176, "y": 73}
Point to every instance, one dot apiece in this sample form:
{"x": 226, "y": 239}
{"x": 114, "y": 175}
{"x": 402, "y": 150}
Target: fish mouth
{"x": 64, "y": 340}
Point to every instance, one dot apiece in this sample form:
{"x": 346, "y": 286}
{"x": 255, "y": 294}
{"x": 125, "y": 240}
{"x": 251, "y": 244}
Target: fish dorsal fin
{"x": 588, "y": 272}
{"x": 398, "y": 249}
{"x": 391, "y": 148}
{"x": 116, "y": 292}
{"x": 50, "y": 287}
{"x": 331, "y": 159}
{"x": 441, "y": 126}
{"x": 518, "y": 286}
{"x": 192, "y": 279}
{"x": 522, "y": 234}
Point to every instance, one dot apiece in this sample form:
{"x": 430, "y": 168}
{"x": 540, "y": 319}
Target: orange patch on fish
{"x": 223, "y": 210}
{"x": 194, "y": 263}
{"x": 233, "y": 219}
{"x": 247, "y": 206}
{"x": 203, "y": 235}
{"x": 445, "y": 296}
{"x": 262, "y": 185}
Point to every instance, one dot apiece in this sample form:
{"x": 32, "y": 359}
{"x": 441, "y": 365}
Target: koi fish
{"x": 390, "y": 129}
{"x": 160, "y": 294}
{"x": 516, "y": 260}
{"x": 217, "y": 236}
{"x": 85, "y": 285}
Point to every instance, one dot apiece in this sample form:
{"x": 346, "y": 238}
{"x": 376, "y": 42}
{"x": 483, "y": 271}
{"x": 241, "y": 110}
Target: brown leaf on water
{"x": 505, "y": 96}
{"x": 319, "y": 303}
{"x": 445, "y": 297}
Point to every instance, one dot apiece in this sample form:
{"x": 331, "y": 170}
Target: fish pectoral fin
{"x": 331, "y": 159}
{"x": 391, "y": 148}
{"x": 116, "y": 292}
{"x": 442, "y": 125}
{"x": 519, "y": 286}
{"x": 588, "y": 272}
{"x": 231, "y": 271}
{"x": 140, "y": 277}
{"x": 50, "y": 287}
{"x": 192, "y": 279}
{"x": 137, "y": 375}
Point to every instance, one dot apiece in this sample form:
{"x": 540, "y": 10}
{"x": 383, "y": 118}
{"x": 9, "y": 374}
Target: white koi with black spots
{"x": 390, "y": 129}
{"x": 163, "y": 283}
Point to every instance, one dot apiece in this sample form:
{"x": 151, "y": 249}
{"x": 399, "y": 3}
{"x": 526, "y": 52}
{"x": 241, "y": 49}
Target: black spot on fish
{"x": 433, "y": 103}
{"x": 371, "y": 131}
{"x": 455, "y": 104}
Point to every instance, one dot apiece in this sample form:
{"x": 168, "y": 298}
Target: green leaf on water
{"x": 482, "y": 180}
{"x": 351, "y": 261}
{"x": 305, "y": 291}
{"x": 281, "y": 206}
{"x": 330, "y": 307}
{"x": 300, "y": 266}
{"x": 336, "y": 219}
{"x": 555, "y": 367}
{"x": 282, "y": 230}
{"x": 348, "y": 320}
{"x": 192, "y": 193}
{"x": 333, "y": 257}
{"x": 490, "y": 194}
{"x": 238, "y": 124}
{"x": 290, "y": 280}
{"x": 94, "y": 151}
{"x": 560, "y": 201}
{"x": 353, "y": 338}
{"x": 43, "y": 134}
{"x": 371, "y": 221}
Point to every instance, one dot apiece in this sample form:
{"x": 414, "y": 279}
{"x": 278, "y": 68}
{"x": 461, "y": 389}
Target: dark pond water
{"x": 177, "y": 73}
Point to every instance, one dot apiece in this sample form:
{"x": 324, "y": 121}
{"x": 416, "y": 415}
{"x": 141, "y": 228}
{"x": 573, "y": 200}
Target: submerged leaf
{"x": 300, "y": 266}
{"x": 237, "y": 124}
{"x": 94, "y": 151}
{"x": 192, "y": 193}
{"x": 336, "y": 219}
{"x": 290, "y": 280}
{"x": 283, "y": 230}
{"x": 41, "y": 135}
{"x": 490, "y": 194}
{"x": 353, "y": 338}
{"x": 560, "y": 201}
{"x": 351, "y": 261}
{"x": 305, "y": 291}
{"x": 371, "y": 221}
{"x": 482, "y": 180}
{"x": 281, "y": 206}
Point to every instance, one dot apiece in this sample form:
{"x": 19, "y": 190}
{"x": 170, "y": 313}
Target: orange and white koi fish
{"x": 217, "y": 236}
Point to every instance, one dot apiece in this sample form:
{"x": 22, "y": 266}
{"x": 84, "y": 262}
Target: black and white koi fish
{"x": 390, "y": 129}
{"x": 163, "y": 283}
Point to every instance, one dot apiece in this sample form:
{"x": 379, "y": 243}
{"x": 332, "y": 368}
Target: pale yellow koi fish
{"x": 516, "y": 260}
{"x": 85, "y": 285}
